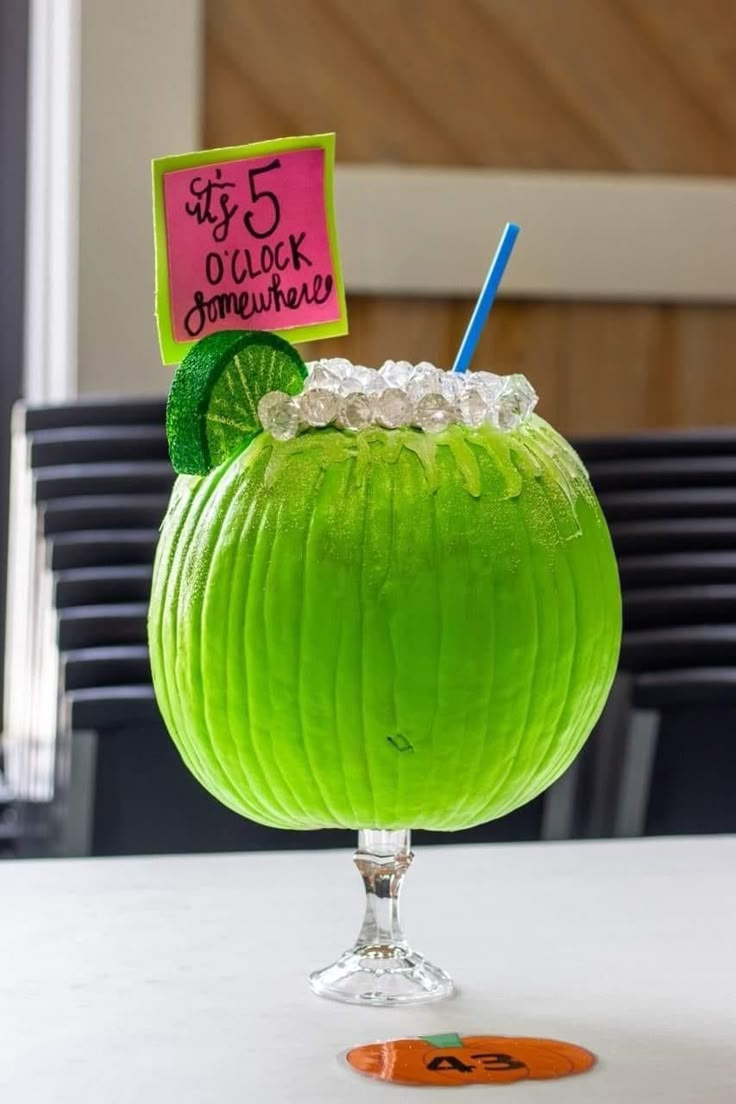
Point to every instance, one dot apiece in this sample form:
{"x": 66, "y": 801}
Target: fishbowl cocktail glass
{"x": 397, "y": 607}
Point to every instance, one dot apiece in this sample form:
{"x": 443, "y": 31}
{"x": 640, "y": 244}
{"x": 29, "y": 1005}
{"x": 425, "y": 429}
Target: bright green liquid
{"x": 385, "y": 629}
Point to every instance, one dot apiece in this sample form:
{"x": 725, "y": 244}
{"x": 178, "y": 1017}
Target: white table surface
{"x": 183, "y": 979}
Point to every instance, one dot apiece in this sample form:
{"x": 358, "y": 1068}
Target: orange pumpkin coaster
{"x": 472, "y": 1059}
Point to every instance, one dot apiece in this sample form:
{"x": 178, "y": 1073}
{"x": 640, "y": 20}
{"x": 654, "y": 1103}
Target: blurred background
{"x": 607, "y": 128}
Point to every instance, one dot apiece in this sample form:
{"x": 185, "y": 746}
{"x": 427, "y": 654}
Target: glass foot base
{"x": 382, "y": 975}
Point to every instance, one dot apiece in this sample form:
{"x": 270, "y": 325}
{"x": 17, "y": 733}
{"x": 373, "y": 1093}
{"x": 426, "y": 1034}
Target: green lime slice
{"x": 212, "y": 410}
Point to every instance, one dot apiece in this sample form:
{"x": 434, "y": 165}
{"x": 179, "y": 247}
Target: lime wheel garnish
{"x": 212, "y": 409}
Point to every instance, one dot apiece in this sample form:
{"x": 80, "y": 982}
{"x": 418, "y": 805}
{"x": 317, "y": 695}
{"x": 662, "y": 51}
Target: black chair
{"x": 91, "y": 586}
{"x": 90, "y": 411}
{"x": 126, "y": 665}
{"x": 662, "y": 472}
{"x": 682, "y": 534}
{"x": 110, "y": 512}
{"x": 677, "y": 551}
{"x": 679, "y": 652}
{"x": 50, "y": 448}
{"x": 90, "y": 481}
{"x": 102, "y": 626}
{"x": 662, "y": 607}
{"x": 719, "y": 441}
{"x": 669, "y": 499}
{"x": 118, "y": 548}
{"x": 671, "y": 503}
{"x": 678, "y": 761}
{"x": 128, "y": 477}
{"x": 677, "y": 569}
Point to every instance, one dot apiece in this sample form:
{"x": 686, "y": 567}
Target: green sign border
{"x": 173, "y": 351}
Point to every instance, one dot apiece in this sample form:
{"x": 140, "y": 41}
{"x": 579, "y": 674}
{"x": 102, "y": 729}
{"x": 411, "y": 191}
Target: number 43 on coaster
{"x": 246, "y": 239}
{"x": 485, "y": 1059}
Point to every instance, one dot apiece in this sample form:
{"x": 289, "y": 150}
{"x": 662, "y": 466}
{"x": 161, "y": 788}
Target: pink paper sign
{"x": 246, "y": 240}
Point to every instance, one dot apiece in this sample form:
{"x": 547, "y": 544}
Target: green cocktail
{"x": 386, "y": 626}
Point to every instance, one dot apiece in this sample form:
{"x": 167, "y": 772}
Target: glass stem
{"x": 382, "y": 859}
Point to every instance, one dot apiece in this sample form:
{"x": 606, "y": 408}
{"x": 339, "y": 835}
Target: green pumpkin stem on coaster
{"x": 212, "y": 410}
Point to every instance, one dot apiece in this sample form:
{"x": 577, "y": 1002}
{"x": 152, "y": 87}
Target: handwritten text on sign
{"x": 250, "y": 245}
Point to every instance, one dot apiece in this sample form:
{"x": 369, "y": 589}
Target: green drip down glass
{"x": 380, "y": 630}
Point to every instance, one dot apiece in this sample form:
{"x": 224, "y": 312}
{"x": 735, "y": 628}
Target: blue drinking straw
{"x": 485, "y": 299}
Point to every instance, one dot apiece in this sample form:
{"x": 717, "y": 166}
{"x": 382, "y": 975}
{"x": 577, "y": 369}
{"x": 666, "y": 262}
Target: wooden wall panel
{"x": 621, "y": 85}
{"x": 642, "y": 85}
